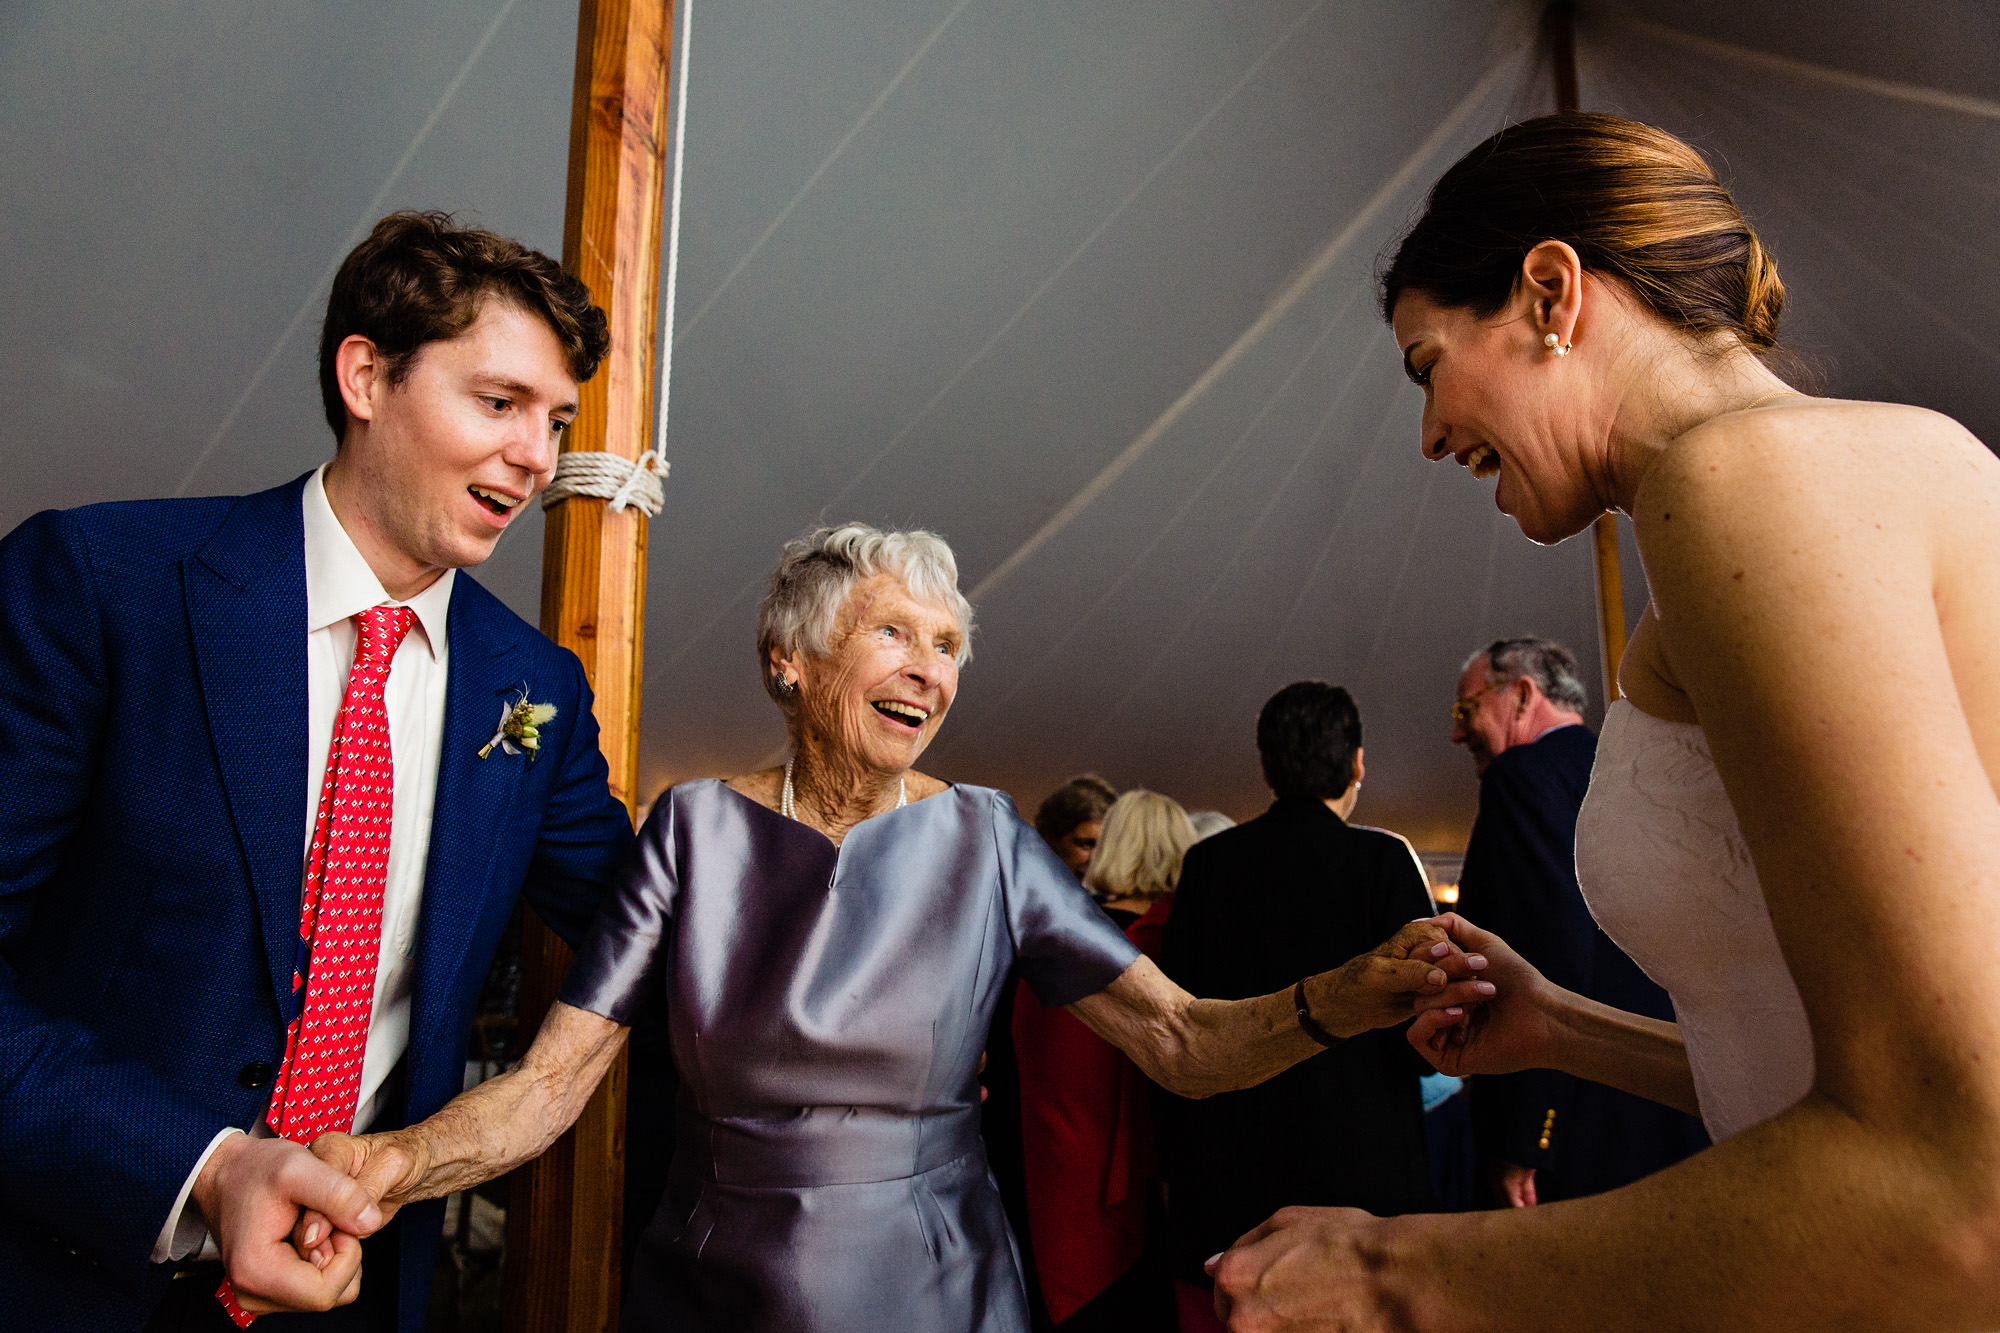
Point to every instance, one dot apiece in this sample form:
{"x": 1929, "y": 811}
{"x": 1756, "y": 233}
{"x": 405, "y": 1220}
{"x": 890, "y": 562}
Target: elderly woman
{"x": 830, "y": 939}
{"x": 1792, "y": 820}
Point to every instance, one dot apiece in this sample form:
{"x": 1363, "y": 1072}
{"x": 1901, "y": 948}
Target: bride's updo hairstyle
{"x": 1635, "y": 203}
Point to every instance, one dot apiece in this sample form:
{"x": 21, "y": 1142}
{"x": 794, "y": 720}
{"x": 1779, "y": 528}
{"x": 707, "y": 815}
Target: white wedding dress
{"x": 1665, "y": 870}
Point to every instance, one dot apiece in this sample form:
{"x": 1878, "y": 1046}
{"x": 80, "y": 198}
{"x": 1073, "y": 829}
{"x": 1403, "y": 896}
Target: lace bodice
{"x": 1665, "y": 870}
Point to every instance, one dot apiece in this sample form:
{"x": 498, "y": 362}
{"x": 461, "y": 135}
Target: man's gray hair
{"x": 1550, "y": 665}
{"x": 816, "y": 572}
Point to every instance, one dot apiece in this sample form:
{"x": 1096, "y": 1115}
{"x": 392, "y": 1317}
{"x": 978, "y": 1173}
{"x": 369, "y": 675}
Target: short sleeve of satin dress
{"x": 827, "y": 1008}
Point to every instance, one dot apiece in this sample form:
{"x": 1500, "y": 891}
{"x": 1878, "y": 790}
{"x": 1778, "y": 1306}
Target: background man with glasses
{"x": 1538, "y": 1135}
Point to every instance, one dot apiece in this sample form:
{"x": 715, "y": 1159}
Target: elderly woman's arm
{"x": 1803, "y": 593}
{"x": 1200, "y": 1047}
{"x": 489, "y": 1130}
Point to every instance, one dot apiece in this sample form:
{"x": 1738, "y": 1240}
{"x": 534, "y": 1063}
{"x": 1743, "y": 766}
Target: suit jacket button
{"x": 256, "y": 1074}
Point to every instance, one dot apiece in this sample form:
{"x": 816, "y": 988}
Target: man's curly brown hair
{"x": 419, "y": 278}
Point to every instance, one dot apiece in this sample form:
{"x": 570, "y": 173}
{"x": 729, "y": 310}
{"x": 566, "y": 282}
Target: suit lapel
{"x": 473, "y": 812}
{"x": 246, "y": 604}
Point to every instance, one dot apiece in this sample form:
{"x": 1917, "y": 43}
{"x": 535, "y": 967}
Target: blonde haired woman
{"x": 1086, "y": 1116}
{"x": 1138, "y": 859}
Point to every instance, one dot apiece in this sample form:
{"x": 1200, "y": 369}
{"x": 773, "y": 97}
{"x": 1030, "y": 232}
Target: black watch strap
{"x": 1307, "y": 1023}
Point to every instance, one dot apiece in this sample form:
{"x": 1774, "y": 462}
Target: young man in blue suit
{"x": 172, "y": 675}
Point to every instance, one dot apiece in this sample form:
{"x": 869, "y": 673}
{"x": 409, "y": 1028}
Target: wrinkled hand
{"x": 1418, "y": 969}
{"x": 1306, "y": 1268}
{"x": 382, "y": 1165}
{"x": 1514, "y": 1030}
{"x": 251, "y": 1192}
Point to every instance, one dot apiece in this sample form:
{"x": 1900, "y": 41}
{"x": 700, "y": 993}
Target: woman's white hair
{"x": 816, "y": 572}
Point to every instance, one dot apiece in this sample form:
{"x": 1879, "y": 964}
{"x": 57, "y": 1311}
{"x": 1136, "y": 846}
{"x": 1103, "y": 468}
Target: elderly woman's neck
{"x": 833, "y": 792}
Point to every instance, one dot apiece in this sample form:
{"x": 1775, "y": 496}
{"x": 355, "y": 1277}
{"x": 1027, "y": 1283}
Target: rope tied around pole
{"x": 607, "y": 476}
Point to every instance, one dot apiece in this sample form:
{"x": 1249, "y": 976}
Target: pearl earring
{"x": 1555, "y": 344}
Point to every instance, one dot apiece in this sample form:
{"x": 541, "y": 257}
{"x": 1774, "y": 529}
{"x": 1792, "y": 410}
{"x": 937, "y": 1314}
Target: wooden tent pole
{"x": 564, "y": 1210}
{"x": 1561, "y": 21}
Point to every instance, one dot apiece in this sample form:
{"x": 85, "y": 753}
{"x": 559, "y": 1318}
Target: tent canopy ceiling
{"x": 1085, "y": 288}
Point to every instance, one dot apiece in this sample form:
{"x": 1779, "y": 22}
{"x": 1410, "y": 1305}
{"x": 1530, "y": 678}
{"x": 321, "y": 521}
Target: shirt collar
{"x": 339, "y": 583}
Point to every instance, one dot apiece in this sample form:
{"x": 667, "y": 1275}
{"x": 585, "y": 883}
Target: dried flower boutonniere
{"x": 520, "y": 724}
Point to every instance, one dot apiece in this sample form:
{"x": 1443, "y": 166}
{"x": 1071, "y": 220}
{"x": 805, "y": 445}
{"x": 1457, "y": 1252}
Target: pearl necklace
{"x": 789, "y": 807}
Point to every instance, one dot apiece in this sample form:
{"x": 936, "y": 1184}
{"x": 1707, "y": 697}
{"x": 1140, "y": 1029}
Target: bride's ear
{"x": 1552, "y": 284}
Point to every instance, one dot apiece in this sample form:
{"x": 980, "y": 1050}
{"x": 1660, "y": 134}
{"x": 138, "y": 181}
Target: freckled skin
{"x": 1855, "y": 723}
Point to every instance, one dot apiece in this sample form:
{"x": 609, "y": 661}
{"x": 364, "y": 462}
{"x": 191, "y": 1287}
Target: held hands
{"x": 1515, "y": 1030}
{"x": 1417, "y": 970}
{"x": 384, "y": 1167}
{"x": 251, "y": 1191}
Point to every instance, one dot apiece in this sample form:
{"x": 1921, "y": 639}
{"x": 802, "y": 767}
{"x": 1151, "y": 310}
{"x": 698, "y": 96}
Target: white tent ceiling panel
{"x": 1086, "y": 288}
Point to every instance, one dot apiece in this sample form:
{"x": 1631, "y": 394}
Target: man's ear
{"x": 1360, "y": 769}
{"x": 1551, "y": 283}
{"x": 362, "y": 374}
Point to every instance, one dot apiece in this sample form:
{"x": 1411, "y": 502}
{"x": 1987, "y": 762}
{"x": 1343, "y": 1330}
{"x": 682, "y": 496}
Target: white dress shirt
{"x": 339, "y": 586}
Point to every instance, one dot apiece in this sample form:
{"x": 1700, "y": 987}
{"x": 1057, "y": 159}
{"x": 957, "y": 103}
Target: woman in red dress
{"x": 1086, "y": 1117}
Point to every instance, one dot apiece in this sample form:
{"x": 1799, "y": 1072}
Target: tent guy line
{"x": 1391, "y": 190}
{"x": 315, "y": 295}
{"x": 673, "y": 265}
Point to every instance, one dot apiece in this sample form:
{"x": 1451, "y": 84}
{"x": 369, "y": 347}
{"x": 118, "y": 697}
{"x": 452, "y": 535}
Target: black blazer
{"x": 1293, "y": 892}
{"x": 1520, "y": 882}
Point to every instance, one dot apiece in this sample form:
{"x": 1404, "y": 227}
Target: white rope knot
{"x": 607, "y": 476}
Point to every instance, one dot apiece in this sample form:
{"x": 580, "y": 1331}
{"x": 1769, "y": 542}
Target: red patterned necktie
{"x": 340, "y": 917}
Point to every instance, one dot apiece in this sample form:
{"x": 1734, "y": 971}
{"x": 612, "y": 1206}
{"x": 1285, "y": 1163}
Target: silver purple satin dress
{"x": 827, "y": 1009}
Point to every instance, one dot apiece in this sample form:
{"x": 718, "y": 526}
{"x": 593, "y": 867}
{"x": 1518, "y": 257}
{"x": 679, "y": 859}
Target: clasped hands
{"x": 304, "y": 1250}
{"x": 1319, "y": 1268}
{"x": 289, "y": 1221}
{"x": 1419, "y": 971}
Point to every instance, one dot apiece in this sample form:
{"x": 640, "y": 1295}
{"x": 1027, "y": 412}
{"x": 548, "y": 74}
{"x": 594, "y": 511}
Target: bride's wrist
{"x": 1406, "y": 1259}
{"x": 1570, "y": 1023}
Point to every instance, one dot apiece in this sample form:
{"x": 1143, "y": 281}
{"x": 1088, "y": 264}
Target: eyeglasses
{"x": 1463, "y": 709}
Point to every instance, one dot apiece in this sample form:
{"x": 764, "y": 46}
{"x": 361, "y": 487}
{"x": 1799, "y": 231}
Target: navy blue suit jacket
{"x": 1519, "y": 881}
{"x": 1289, "y": 894}
{"x": 152, "y": 825}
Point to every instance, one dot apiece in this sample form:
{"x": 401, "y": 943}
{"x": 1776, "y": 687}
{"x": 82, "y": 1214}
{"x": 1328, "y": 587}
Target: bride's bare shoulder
{"x": 1815, "y": 459}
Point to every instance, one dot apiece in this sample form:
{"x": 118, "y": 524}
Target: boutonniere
{"x": 520, "y": 724}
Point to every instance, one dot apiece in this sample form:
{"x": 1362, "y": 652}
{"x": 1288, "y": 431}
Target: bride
{"x": 1792, "y": 823}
